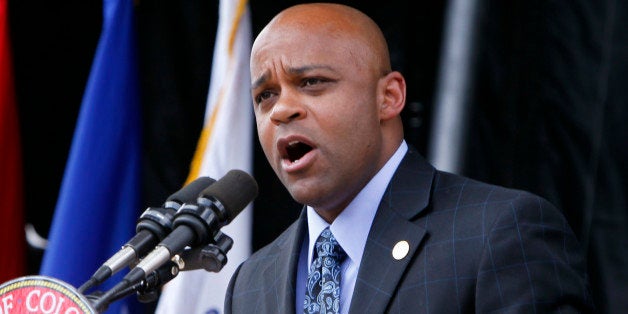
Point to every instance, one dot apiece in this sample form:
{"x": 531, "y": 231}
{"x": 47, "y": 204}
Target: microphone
{"x": 211, "y": 258}
{"x": 194, "y": 225}
{"x": 154, "y": 225}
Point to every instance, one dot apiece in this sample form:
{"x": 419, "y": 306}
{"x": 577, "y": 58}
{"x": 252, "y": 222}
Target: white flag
{"x": 226, "y": 143}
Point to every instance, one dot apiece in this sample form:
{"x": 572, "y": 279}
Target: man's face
{"x": 316, "y": 107}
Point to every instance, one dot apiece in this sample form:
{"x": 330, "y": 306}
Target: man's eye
{"x": 312, "y": 81}
{"x": 262, "y": 96}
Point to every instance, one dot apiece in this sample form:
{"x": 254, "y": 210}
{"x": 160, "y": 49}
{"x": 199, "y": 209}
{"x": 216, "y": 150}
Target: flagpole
{"x": 454, "y": 87}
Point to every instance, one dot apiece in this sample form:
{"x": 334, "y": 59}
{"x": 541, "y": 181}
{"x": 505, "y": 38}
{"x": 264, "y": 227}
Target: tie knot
{"x": 327, "y": 246}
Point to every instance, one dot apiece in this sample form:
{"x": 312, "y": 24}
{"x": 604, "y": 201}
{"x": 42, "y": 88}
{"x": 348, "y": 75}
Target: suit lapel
{"x": 285, "y": 267}
{"x": 406, "y": 196}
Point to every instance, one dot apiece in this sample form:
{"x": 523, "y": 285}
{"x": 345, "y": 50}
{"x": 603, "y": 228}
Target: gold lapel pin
{"x": 400, "y": 250}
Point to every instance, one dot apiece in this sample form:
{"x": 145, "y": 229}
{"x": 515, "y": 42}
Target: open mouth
{"x": 295, "y": 150}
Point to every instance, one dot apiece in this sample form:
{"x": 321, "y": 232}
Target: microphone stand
{"x": 211, "y": 258}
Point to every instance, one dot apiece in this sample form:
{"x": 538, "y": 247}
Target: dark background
{"x": 547, "y": 105}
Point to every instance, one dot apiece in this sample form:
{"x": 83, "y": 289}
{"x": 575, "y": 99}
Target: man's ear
{"x": 393, "y": 97}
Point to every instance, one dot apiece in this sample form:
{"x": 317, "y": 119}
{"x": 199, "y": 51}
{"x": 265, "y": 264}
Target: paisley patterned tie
{"x": 322, "y": 293}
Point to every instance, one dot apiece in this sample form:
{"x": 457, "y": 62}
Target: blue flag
{"x": 99, "y": 199}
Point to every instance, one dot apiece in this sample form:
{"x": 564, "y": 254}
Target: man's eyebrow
{"x": 293, "y": 70}
{"x": 261, "y": 80}
{"x": 303, "y": 69}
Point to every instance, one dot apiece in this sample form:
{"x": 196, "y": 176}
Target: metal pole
{"x": 454, "y": 87}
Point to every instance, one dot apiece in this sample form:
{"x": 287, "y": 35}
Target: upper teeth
{"x": 293, "y": 143}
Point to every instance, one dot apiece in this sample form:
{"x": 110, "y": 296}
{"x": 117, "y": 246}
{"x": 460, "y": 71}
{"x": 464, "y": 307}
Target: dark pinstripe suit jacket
{"x": 474, "y": 247}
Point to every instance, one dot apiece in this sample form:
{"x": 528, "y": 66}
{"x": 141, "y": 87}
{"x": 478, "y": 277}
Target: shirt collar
{"x": 352, "y": 226}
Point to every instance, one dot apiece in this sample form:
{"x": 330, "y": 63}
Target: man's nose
{"x": 288, "y": 108}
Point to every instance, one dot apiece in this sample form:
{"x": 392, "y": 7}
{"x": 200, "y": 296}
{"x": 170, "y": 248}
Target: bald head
{"x": 331, "y": 25}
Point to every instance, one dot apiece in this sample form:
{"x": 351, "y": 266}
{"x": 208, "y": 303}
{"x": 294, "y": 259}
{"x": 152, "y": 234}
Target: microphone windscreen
{"x": 235, "y": 190}
{"x": 190, "y": 192}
